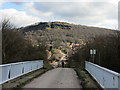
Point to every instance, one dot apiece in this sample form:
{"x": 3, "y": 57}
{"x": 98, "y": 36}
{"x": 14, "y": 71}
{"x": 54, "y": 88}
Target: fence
{"x": 13, "y": 70}
{"x": 105, "y": 77}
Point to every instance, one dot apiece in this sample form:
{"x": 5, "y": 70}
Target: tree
{"x": 13, "y": 42}
{"x": 16, "y": 48}
{"x": 108, "y": 51}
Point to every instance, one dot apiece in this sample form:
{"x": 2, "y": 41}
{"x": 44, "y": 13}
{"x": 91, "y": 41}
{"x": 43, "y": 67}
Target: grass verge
{"x": 46, "y": 68}
{"x": 87, "y": 80}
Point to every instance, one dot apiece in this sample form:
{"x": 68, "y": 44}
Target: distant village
{"x": 56, "y": 56}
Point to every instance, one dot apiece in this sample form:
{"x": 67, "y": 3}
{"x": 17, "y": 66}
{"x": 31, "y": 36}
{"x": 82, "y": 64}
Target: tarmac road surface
{"x": 56, "y": 78}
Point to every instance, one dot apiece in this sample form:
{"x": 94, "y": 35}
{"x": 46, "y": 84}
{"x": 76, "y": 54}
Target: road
{"x": 56, "y": 78}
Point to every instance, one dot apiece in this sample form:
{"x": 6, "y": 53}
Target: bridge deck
{"x": 56, "y": 78}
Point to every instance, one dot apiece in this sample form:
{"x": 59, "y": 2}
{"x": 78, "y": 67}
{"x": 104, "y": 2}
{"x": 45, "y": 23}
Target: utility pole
{"x": 99, "y": 58}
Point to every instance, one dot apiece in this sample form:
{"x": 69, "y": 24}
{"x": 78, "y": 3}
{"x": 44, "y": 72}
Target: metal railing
{"x": 14, "y": 70}
{"x": 106, "y": 78}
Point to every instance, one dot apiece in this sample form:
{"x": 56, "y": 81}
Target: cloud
{"x": 102, "y": 14}
{"x": 18, "y": 3}
{"x": 87, "y": 13}
{"x": 18, "y": 18}
{"x": 112, "y": 1}
{"x": 1, "y": 2}
{"x": 30, "y": 9}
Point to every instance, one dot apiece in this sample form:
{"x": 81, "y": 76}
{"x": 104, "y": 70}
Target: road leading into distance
{"x": 56, "y": 78}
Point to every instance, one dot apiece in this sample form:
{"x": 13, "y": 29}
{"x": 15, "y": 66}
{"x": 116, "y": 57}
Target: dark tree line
{"x": 16, "y": 48}
{"x": 107, "y": 51}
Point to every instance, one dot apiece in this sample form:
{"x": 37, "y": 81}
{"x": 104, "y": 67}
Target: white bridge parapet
{"x": 14, "y": 70}
{"x": 106, "y": 78}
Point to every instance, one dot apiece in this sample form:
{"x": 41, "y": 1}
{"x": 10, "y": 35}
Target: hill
{"x": 61, "y": 32}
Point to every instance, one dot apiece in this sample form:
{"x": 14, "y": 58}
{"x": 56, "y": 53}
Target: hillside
{"x": 61, "y": 31}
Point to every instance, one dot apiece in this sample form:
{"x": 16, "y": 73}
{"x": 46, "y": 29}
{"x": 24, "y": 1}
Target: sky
{"x": 97, "y": 13}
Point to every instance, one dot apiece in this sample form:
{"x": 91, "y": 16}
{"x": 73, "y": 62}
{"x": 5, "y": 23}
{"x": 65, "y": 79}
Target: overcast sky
{"x": 94, "y": 13}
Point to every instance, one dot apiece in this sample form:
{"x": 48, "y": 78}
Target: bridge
{"x": 59, "y": 77}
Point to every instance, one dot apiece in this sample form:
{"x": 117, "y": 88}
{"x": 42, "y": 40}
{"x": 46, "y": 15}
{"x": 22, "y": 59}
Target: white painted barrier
{"x": 13, "y": 70}
{"x": 105, "y": 77}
